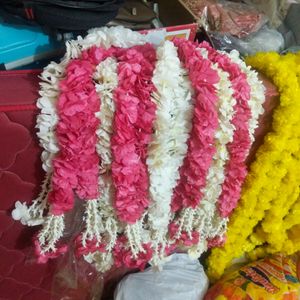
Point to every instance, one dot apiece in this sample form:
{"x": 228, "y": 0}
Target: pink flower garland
{"x": 201, "y": 147}
{"x": 76, "y": 166}
{"x": 133, "y": 125}
{"x": 236, "y": 169}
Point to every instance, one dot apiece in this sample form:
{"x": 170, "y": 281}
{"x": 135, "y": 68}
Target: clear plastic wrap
{"x": 251, "y": 44}
{"x": 226, "y": 17}
{"x": 75, "y": 279}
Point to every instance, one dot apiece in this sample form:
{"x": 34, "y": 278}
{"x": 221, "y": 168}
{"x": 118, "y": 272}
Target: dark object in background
{"x": 135, "y": 14}
{"x": 64, "y": 15}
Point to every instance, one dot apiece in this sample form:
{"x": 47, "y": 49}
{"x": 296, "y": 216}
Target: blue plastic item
{"x": 22, "y": 45}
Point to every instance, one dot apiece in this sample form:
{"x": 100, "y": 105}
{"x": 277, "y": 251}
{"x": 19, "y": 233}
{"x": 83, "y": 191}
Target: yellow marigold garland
{"x": 267, "y": 219}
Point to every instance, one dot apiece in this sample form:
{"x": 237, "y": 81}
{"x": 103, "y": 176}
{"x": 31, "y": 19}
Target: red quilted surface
{"x": 20, "y": 176}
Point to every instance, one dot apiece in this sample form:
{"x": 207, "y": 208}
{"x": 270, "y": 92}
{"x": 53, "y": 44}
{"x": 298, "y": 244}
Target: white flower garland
{"x": 100, "y": 220}
{"x": 46, "y": 123}
{"x": 257, "y": 92}
{"x": 168, "y": 147}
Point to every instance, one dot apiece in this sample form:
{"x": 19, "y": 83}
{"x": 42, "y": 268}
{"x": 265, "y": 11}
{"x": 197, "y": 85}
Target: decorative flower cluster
{"x": 153, "y": 139}
{"x": 268, "y": 216}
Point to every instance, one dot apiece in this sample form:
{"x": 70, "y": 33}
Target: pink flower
{"x": 76, "y": 166}
{"x": 217, "y": 241}
{"x": 61, "y": 200}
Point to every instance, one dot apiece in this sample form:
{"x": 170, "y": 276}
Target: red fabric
{"x": 20, "y": 177}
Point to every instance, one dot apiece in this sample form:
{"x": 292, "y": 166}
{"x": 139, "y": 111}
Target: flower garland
{"x": 200, "y": 144}
{"x": 144, "y": 141}
{"x": 204, "y": 222}
{"x": 46, "y": 124}
{"x": 75, "y": 166}
{"x": 201, "y": 148}
{"x": 100, "y": 220}
{"x": 99, "y": 237}
{"x": 168, "y": 146}
{"x": 239, "y": 147}
{"x": 275, "y": 159}
{"x": 212, "y": 223}
{"x": 257, "y": 92}
{"x": 133, "y": 123}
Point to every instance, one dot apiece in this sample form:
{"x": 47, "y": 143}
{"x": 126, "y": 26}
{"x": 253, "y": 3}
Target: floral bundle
{"x": 151, "y": 139}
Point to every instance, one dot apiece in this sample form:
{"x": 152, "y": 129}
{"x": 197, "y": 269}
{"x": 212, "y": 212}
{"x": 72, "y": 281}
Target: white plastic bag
{"x": 182, "y": 278}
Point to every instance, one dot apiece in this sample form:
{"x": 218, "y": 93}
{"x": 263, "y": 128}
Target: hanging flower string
{"x": 213, "y": 224}
{"x": 239, "y": 147}
{"x": 204, "y": 124}
{"x": 204, "y": 222}
{"x": 76, "y": 166}
{"x": 133, "y": 125}
{"x": 168, "y": 146}
{"x": 201, "y": 148}
{"x": 101, "y": 224}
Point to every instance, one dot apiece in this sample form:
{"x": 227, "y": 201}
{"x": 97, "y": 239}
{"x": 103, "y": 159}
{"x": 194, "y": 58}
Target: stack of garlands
{"x": 151, "y": 140}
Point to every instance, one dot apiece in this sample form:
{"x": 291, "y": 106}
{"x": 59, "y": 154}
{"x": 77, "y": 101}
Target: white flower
{"x": 21, "y": 213}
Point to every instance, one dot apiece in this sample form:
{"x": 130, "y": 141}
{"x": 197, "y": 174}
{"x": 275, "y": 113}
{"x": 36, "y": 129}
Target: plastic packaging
{"x": 226, "y": 17}
{"x": 181, "y": 278}
{"x": 75, "y": 279}
{"x": 251, "y": 44}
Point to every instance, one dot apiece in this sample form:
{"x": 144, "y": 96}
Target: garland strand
{"x": 168, "y": 147}
{"x": 133, "y": 123}
{"x": 101, "y": 224}
{"x": 201, "y": 142}
{"x": 204, "y": 221}
{"x": 235, "y": 172}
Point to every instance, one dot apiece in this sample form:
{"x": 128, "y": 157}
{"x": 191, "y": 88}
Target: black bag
{"x": 64, "y": 15}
